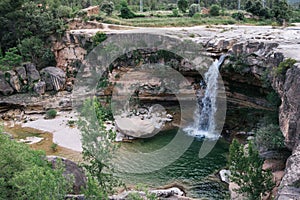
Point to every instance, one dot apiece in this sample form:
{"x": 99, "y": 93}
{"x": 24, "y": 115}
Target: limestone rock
{"x": 15, "y": 83}
{"x": 39, "y": 87}
{"x": 224, "y": 175}
{"x": 21, "y": 71}
{"x": 5, "y": 88}
{"x": 32, "y": 72}
{"x": 55, "y": 78}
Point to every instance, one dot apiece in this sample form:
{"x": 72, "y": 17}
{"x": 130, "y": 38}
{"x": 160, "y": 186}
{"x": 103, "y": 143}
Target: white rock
{"x": 225, "y": 174}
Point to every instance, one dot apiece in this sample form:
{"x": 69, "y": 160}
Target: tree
{"x": 214, "y": 10}
{"x": 194, "y": 8}
{"x": 107, "y": 7}
{"x": 269, "y": 137}
{"x": 281, "y": 11}
{"x": 182, "y": 5}
{"x": 10, "y": 59}
{"x": 246, "y": 171}
{"x": 25, "y": 174}
{"x": 98, "y": 148}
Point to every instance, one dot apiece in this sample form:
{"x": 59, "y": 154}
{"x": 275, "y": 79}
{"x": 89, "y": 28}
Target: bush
{"x": 238, "y": 16}
{"x": 194, "y": 8}
{"x": 269, "y": 137}
{"x": 126, "y": 13}
{"x": 182, "y": 5}
{"x": 214, "y": 10}
{"x": 10, "y": 60}
{"x": 26, "y": 175}
{"x": 50, "y": 114}
{"x": 175, "y": 12}
{"x": 99, "y": 38}
{"x": 246, "y": 171}
{"x": 107, "y": 7}
{"x": 63, "y": 11}
{"x": 284, "y": 66}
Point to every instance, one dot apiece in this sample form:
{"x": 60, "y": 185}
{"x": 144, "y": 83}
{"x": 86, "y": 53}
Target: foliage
{"x": 99, "y": 38}
{"x": 273, "y": 99}
{"x": 98, "y": 148}
{"x": 238, "y": 64}
{"x": 246, "y": 171}
{"x": 34, "y": 50}
{"x": 281, "y": 11}
{"x": 214, "y": 10}
{"x": 182, "y": 5}
{"x": 50, "y": 114}
{"x": 107, "y": 7}
{"x": 54, "y": 147}
{"x": 25, "y": 174}
{"x": 126, "y": 12}
{"x": 10, "y": 59}
{"x": 194, "y": 8}
{"x": 63, "y": 11}
{"x": 269, "y": 137}
{"x": 284, "y": 66}
{"x": 238, "y": 16}
{"x": 175, "y": 12}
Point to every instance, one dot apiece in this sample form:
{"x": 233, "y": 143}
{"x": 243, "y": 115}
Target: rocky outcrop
{"x": 5, "y": 87}
{"x": 32, "y": 73}
{"x": 55, "y": 78}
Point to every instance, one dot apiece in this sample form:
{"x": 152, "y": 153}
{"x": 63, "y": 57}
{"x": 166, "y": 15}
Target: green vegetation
{"x": 25, "y": 174}
{"x": 194, "y": 8}
{"x": 50, "y": 114}
{"x": 284, "y": 66}
{"x": 107, "y": 7}
{"x": 54, "y": 147}
{"x": 246, "y": 171}
{"x": 182, "y": 5}
{"x": 10, "y": 60}
{"x": 269, "y": 137}
{"x": 98, "y": 148}
{"x": 99, "y": 38}
{"x": 214, "y": 10}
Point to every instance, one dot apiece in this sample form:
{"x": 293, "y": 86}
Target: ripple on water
{"x": 197, "y": 175}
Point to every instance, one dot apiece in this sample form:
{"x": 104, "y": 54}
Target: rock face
{"x": 5, "y": 88}
{"x": 32, "y": 73}
{"x": 55, "y": 78}
{"x": 39, "y": 87}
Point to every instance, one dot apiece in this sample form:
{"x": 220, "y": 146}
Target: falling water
{"x": 204, "y": 117}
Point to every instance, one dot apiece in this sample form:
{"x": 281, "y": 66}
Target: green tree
{"x": 33, "y": 49}
{"x": 214, "y": 10}
{"x": 25, "y": 174}
{"x": 269, "y": 137}
{"x": 98, "y": 148}
{"x": 107, "y": 7}
{"x": 281, "y": 11}
{"x": 246, "y": 171}
{"x": 10, "y": 59}
{"x": 182, "y": 5}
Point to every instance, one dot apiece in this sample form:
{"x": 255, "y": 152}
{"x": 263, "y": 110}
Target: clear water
{"x": 196, "y": 175}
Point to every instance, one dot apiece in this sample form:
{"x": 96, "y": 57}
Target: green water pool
{"x": 196, "y": 175}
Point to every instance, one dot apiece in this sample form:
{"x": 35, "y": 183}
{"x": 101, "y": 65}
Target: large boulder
{"x": 21, "y": 71}
{"x": 71, "y": 169}
{"x": 32, "y": 72}
{"x": 5, "y": 88}
{"x": 55, "y": 78}
{"x": 15, "y": 82}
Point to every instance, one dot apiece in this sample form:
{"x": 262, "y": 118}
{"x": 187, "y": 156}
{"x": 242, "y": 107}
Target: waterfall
{"x": 204, "y": 117}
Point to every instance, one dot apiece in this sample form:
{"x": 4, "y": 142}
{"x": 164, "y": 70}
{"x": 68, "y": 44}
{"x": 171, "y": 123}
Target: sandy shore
{"x": 63, "y": 134}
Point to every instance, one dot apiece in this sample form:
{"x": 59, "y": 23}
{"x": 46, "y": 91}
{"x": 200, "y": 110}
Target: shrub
{"x": 10, "y": 60}
{"x": 50, "y": 114}
{"x": 107, "y": 7}
{"x": 99, "y": 38}
{"x": 194, "y": 8}
{"x": 175, "y": 12}
{"x": 238, "y": 16}
{"x": 63, "y": 11}
{"x": 54, "y": 147}
{"x": 284, "y": 66}
{"x": 126, "y": 13}
{"x": 182, "y": 5}
{"x": 269, "y": 137}
{"x": 214, "y": 10}
{"x": 246, "y": 171}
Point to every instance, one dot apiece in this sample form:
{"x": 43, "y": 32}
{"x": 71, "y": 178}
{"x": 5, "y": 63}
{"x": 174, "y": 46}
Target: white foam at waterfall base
{"x": 204, "y": 119}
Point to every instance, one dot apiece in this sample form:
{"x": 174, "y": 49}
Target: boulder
{"x": 224, "y": 175}
{"x": 32, "y": 72}
{"x": 55, "y": 78}
{"x": 39, "y": 87}
{"x": 15, "y": 83}
{"x": 5, "y": 88}
{"x": 72, "y": 169}
{"x": 21, "y": 71}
